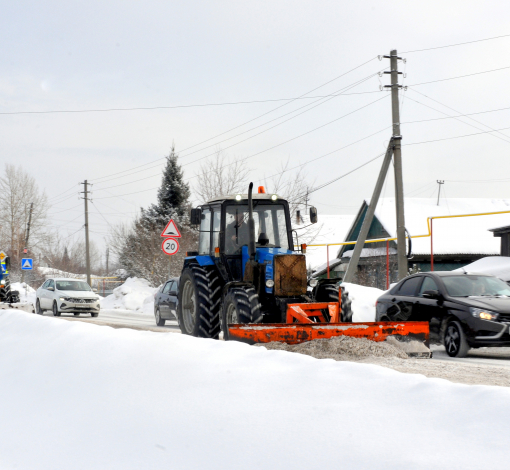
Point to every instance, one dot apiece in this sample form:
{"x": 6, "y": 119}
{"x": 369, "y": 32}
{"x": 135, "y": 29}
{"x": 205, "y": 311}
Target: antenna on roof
{"x": 439, "y": 182}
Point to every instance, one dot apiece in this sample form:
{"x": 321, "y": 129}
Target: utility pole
{"x": 439, "y": 182}
{"x": 107, "y": 256}
{"x": 369, "y": 216}
{"x": 397, "y": 161}
{"x": 26, "y": 236}
{"x": 87, "y": 251}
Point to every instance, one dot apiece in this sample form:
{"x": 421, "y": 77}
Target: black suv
{"x": 464, "y": 310}
{"x": 165, "y": 301}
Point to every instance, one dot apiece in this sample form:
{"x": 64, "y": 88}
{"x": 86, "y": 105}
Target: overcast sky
{"x": 73, "y": 55}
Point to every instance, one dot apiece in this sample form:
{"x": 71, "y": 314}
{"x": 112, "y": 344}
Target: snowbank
{"x": 363, "y": 301}
{"x": 80, "y": 396}
{"x": 26, "y": 293}
{"x": 134, "y": 295}
{"x": 498, "y": 266}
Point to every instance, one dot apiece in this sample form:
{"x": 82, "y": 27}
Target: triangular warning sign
{"x": 171, "y": 230}
{"x": 27, "y": 264}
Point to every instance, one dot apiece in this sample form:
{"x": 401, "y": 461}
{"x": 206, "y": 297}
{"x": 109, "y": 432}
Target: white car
{"x": 64, "y": 295}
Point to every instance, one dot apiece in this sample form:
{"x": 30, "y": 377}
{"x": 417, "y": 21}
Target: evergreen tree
{"x": 173, "y": 196}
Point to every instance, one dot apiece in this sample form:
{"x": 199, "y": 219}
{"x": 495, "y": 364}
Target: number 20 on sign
{"x": 170, "y": 246}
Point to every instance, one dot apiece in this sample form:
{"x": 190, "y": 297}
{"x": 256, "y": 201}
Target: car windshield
{"x": 73, "y": 285}
{"x": 475, "y": 286}
{"x": 269, "y": 219}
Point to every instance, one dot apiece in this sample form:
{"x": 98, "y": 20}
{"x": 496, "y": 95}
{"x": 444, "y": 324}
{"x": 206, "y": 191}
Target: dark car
{"x": 464, "y": 310}
{"x": 165, "y": 301}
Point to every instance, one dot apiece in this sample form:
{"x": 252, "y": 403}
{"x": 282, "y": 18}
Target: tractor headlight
{"x": 313, "y": 282}
{"x": 238, "y": 197}
{"x": 274, "y": 197}
{"x": 269, "y": 283}
{"x": 483, "y": 314}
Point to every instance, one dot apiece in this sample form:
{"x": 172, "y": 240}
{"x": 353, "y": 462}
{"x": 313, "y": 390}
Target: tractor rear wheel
{"x": 241, "y": 305}
{"x": 194, "y": 307}
{"x": 329, "y": 293}
{"x": 215, "y": 288}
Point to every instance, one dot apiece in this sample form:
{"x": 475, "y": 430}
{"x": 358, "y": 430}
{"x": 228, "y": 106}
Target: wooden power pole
{"x": 397, "y": 161}
{"x": 87, "y": 249}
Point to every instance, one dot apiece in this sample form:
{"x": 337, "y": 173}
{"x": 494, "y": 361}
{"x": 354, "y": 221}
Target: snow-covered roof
{"x": 329, "y": 229}
{"x": 459, "y": 235}
{"x": 498, "y": 266}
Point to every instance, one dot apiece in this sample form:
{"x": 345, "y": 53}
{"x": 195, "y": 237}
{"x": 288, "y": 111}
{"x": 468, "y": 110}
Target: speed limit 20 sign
{"x": 170, "y": 246}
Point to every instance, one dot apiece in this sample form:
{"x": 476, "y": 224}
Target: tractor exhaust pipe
{"x": 251, "y": 225}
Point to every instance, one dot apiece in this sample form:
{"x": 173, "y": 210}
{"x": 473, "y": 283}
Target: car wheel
{"x": 56, "y": 313}
{"x": 159, "y": 321}
{"x": 94, "y": 314}
{"x": 38, "y": 309}
{"x": 455, "y": 341}
{"x": 76, "y": 314}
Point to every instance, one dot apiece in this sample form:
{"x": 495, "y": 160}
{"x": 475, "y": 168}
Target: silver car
{"x": 64, "y": 295}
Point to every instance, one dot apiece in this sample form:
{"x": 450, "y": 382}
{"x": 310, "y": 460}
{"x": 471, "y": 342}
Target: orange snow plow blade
{"x": 295, "y": 333}
{"x": 310, "y": 321}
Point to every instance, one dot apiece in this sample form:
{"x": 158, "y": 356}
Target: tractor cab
{"x": 224, "y": 233}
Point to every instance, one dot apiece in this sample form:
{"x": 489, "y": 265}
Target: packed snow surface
{"x": 363, "y": 301}
{"x": 341, "y": 348}
{"x": 78, "y": 396}
{"x": 134, "y": 295}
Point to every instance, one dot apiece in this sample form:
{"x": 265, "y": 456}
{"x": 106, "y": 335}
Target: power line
{"x": 330, "y": 153}
{"x": 451, "y": 117}
{"x": 262, "y": 151}
{"x": 345, "y": 174}
{"x": 67, "y": 190}
{"x": 152, "y": 108}
{"x": 337, "y": 93}
{"x": 460, "y": 76}
{"x": 65, "y": 210}
{"x": 456, "y": 137}
{"x": 206, "y": 156}
{"x": 458, "y": 44}
{"x": 449, "y": 107}
{"x": 99, "y": 212}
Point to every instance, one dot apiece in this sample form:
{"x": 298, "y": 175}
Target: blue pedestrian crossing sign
{"x": 27, "y": 263}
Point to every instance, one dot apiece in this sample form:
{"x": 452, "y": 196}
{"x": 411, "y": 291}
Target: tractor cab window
{"x": 216, "y": 226}
{"x": 269, "y": 219}
{"x": 204, "y": 243}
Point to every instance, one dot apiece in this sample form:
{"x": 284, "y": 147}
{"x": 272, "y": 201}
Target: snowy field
{"x": 82, "y": 396}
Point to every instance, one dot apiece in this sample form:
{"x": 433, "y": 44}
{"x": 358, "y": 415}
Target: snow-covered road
{"x": 123, "y": 319}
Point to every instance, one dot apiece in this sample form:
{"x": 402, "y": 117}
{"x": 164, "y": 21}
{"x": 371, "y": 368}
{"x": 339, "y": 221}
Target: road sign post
{"x": 171, "y": 230}
{"x": 170, "y": 246}
{"x": 27, "y": 264}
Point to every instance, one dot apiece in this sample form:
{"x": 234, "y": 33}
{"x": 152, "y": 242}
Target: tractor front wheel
{"x": 241, "y": 305}
{"x": 194, "y": 307}
{"x": 329, "y": 293}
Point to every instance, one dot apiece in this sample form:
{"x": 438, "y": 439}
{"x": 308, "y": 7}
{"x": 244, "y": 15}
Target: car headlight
{"x": 313, "y": 282}
{"x": 483, "y": 314}
{"x": 67, "y": 299}
{"x": 269, "y": 283}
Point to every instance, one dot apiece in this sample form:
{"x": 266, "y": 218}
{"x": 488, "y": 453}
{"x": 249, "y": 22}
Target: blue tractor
{"x": 246, "y": 270}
